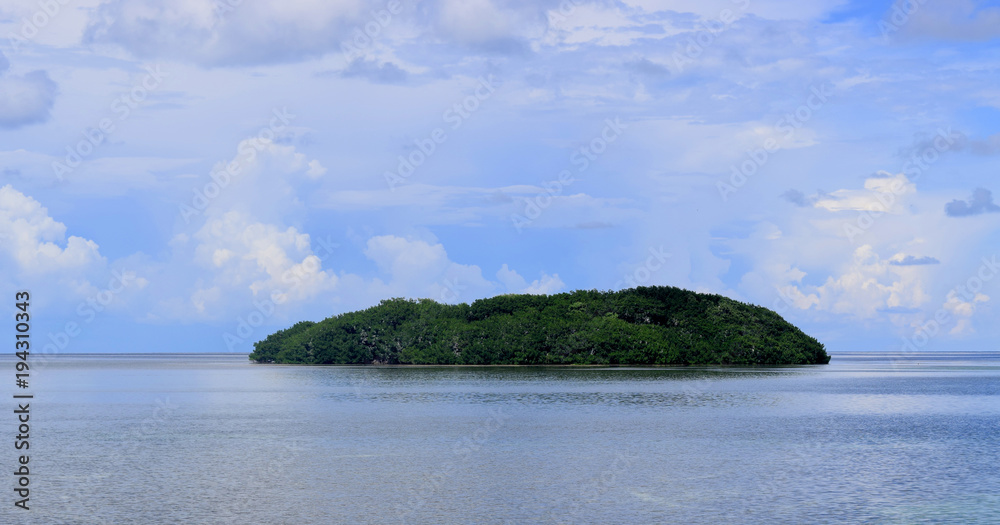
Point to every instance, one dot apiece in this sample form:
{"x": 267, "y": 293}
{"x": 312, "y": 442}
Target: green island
{"x": 650, "y": 325}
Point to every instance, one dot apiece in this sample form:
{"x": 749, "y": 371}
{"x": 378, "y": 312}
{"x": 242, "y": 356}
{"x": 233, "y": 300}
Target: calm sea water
{"x": 870, "y": 438}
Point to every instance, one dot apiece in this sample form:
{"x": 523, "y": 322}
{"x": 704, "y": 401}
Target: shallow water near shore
{"x": 873, "y": 438}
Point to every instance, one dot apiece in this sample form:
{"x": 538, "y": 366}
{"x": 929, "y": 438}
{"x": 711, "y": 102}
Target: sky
{"x": 192, "y": 175}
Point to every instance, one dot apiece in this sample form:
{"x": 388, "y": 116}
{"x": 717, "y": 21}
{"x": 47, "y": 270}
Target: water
{"x": 870, "y": 438}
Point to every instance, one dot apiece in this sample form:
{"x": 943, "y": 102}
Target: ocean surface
{"x": 192, "y": 439}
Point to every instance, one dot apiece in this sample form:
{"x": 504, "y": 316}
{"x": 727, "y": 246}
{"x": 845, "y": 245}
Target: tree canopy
{"x": 650, "y": 325}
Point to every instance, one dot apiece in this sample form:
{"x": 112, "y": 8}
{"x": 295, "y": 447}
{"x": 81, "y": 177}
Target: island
{"x": 648, "y": 325}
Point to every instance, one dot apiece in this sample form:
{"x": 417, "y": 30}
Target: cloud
{"x": 261, "y": 180}
{"x": 963, "y": 20}
{"x": 644, "y": 66}
{"x": 608, "y": 24}
{"x": 548, "y": 284}
{"x": 419, "y": 268}
{"x": 980, "y": 202}
{"x": 514, "y": 283}
{"x": 384, "y": 73}
{"x": 243, "y": 249}
{"x": 24, "y": 99}
{"x": 899, "y": 310}
{"x": 882, "y": 193}
{"x": 963, "y": 310}
{"x": 60, "y": 271}
{"x": 422, "y": 269}
{"x": 770, "y": 9}
{"x": 408, "y": 260}
{"x": 232, "y": 33}
{"x": 797, "y": 198}
{"x": 263, "y": 258}
{"x": 910, "y": 260}
{"x": 946, "y": 140}
{"x": 988, "y": 146}
{"x": 212, "y": 33}
{"x": 515, "y": 205}
{"x": 37, "y": 243}
{"x": 864, "y": 288}
{"x": 595, "y": 61}
{"x": 238, "y": 261}
{"x": 485, "y": 25}
{"x": 892, "y": 275}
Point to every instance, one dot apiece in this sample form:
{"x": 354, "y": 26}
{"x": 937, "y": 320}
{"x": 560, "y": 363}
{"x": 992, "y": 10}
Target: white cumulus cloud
{"x": 36, "y": 242}
{"x": 545, "y": 285}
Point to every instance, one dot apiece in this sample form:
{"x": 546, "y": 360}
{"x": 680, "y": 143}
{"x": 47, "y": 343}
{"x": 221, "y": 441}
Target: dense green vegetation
{"x": 656, "y": 325}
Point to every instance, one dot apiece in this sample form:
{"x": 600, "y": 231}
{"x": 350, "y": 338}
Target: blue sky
{"x": 190, "y": 175}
